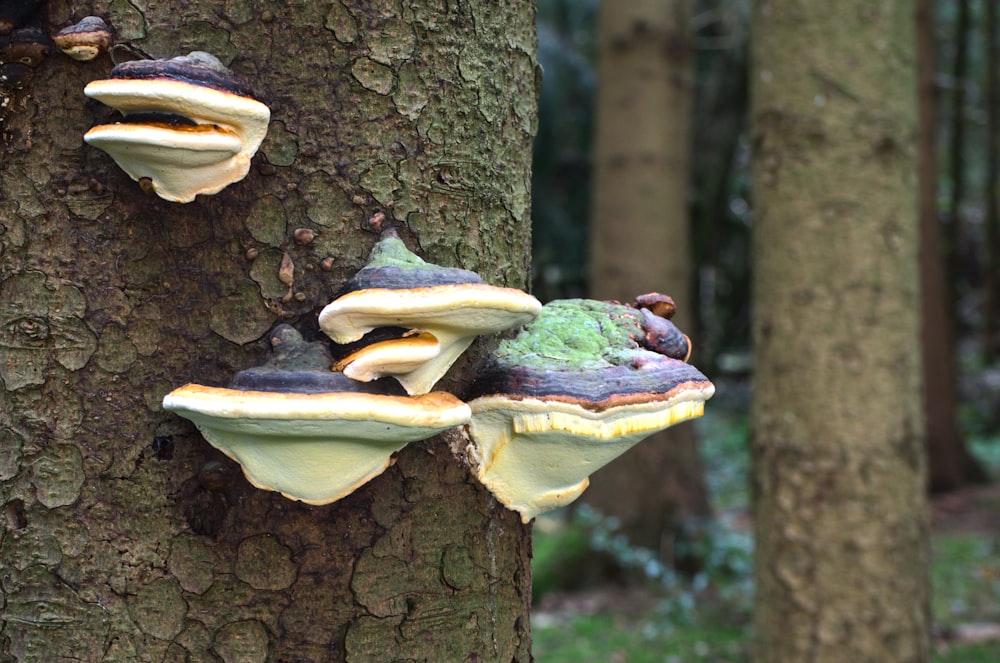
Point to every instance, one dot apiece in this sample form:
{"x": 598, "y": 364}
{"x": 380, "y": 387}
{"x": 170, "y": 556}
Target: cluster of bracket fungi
{"x": 576, "y": 386}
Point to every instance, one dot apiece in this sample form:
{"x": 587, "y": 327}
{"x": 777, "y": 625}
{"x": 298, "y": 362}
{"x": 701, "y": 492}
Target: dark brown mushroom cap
{"x": 663, "y": 336}
{"x": 26, "y": 46}
{"x": 301, "y": 367}
{"x": 595, "y": 354}
{"x": 264, "y": 378}
{"x": 661, "y": 379}
{"x": 196, "y": 68}
{"x": 392, "y": 266}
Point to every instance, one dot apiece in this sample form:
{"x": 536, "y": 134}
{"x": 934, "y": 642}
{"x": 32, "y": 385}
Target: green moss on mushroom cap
{"x": 392, "y": 266}
{"x": 577, "y": 335}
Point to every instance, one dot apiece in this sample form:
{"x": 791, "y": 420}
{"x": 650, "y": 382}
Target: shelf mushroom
{"x": 85, "y": 40}
{"x": 307, "y": 432}
{"x": 572, "y": 391}
{"x": 189, "y": 125}
{"x": 448, "y": 307}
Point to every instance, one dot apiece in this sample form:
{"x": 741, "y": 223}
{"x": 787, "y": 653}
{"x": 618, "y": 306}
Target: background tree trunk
{"x": 991, "y": 259}
{"x": 950, "y": 464}
{"x": 840, "y": 511}
{"x": 640, "y": 238}
{"x": 955, "y": 247}
{"x": 125, "y": 536}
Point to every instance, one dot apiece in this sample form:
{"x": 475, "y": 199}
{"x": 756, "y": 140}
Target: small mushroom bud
{"x": 85, "y": 40}
{"x": 657, "y": 303}
{"x": 304, "y": 236}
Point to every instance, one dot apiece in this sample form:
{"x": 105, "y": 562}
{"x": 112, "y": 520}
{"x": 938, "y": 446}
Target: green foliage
{"x": 966, "y": 577}
{"x": 605, "y": 638}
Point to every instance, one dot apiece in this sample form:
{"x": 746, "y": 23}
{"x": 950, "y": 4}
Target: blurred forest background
{"x": 667, "y": 575}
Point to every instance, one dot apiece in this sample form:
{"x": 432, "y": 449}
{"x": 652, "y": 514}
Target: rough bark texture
{"x": 838, "y": 480}
{"x": 640, "y": 238}
{"x": 125, "y": 537}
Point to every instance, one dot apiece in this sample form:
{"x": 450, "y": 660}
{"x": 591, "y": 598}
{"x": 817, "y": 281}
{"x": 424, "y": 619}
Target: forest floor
{"x": 970, "y": 510}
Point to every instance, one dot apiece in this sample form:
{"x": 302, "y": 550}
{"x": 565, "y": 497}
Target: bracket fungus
{"x": 572, "y": 391}
{"x": 311, "y": 434}
{"x": 189, "y": 125}
{"x": 446, "y": 306}
{"x": 85, "y": 40}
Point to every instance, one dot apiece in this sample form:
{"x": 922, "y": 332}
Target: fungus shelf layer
{"x": 189, "y": 126}
{"x": 446, "y": 308}
{"x": 572, "y": 391}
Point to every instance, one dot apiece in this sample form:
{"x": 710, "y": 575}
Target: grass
{"x": 708, "y": 619}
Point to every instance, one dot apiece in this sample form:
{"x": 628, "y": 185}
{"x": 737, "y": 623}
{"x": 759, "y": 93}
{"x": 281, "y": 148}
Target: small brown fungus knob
{"x": 664, "y": 337}
{"x": 26, "y": 46}
{"x": 85, "y": 40}
{"x": 304, "y": 236}
{"x": 659, "y": 304}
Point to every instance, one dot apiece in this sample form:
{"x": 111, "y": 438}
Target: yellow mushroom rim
{"x": 316, "y": 448}
{"x": 182, "y": 160}
{"x": 453, "y": 314}
{"x": 536, "y": 454}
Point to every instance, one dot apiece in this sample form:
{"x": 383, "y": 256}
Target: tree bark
{"x": 640, "y": 238}
{"x": 838, "y": 476}
{"x": 125, "y": 536}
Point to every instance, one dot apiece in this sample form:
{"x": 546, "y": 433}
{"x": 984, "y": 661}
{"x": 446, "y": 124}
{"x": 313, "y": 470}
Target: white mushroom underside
{"x": 203, "y": 105}
{"x": 180, "y": 163}
{"x": 464, "y": 310}
{"x": 453, "y": 314}
{"x": 183, "y": 161}
{"x": 535, "y": 456}
{"x": 316, "y": 448}
{"x": 416, "y": 365}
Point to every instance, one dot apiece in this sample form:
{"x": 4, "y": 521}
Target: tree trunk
{"x": 125, "y": 536}
{"x": 991, "y": 260}
{"x": 955, "y": 250}
{"x": 838, "y": 477}
{"x": 950, "y": 464}
{"x": 640, "y": 240}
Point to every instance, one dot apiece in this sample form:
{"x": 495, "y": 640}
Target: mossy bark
{"x": 839, "y": 471}
{"x": 125, "y": 536}
{"x": 640, "y": 239}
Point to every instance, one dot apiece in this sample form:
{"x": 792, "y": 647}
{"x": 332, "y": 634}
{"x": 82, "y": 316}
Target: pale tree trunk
{"x": 640, "y": 237}
{"x": 838, "y": 478}
{"x": 125, "y": 536}
{"x": 950, "y": 464}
